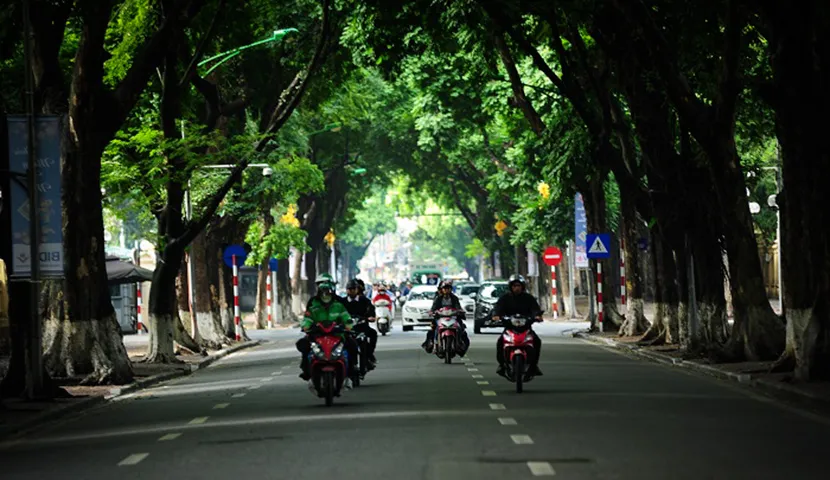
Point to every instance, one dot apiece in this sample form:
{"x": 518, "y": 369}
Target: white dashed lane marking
{"x": 198, "y": 421}
{"x": 478, "y": 375}
{"x": 170, "y": 436}
{"x": 541, "y": 469}
{"x": 483, "y": 382}
{"x": 488, "y": 393}
{"x": 133, "y": 459}
{"x": 220, "y": 406}
{"x": 237, "y": 395}
{"x": 508, "y": 421}
{"x": 497, "y": 406}
{"x": 521, "y": 439}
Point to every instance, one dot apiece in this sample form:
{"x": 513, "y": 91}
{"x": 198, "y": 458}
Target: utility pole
{"x": 34, "y": 357}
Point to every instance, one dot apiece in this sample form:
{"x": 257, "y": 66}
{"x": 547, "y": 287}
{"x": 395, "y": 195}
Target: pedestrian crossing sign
{"x": 599, "y": 245}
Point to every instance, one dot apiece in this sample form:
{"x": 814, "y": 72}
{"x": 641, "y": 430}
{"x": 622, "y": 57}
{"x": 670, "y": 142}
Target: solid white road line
{"x": 541, "y": 469}
{"x": 488, "y": 393}
{"x": 133, "y": 459}
{"x": 508, "y": 421}
{"x": 237, "y": 395}
{"x": 170, "y": 436}
{"x": 483, "y": 382}
{"x": 497, "y": 406}
{"x": 198, "y": 421}
{"x": 220, "y": 406}
{"x": 521, "y": 439}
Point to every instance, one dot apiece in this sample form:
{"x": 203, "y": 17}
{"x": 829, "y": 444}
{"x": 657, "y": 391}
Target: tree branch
{"x": 533, "y": 117}
{"x": 730, "y": 84}
{"x": 200, "y": 48}
{"x": 290, "y": 98}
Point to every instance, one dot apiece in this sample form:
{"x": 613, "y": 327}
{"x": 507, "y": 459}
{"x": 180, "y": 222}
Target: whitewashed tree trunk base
{"x": 160, "y": 347}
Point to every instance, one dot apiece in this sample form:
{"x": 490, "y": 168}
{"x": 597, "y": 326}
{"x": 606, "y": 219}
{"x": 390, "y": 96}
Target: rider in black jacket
{"x": 445, "y": 298}
{"x": 518, "y": 302}
{"x": 359, "y": 306}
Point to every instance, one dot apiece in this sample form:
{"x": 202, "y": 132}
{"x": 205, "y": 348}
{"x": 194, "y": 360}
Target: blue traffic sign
{"x": 642, "y": 243}
{"x": 272, "y": 264}
{"x": 599, "y": 245}
{"x": 237, "y": 250}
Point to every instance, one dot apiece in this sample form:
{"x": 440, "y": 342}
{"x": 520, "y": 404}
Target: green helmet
{"x": 324, "y": 278}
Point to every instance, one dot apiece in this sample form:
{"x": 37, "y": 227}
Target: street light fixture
{"x": 225, "y": 56}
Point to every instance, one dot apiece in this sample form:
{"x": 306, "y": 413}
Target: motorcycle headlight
{"x": 338, "y": 350}
{"x": 518, "y": 321}
{"x": 447, "y": 322}
{"x": 317, "y": 351}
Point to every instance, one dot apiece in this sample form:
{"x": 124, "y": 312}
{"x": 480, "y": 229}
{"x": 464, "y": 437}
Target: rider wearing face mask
{"x": 326, "y": 309}
{"x": 518, "y": 302}
{"x": 445, "y": 298}
{"x": 360, "y": 306}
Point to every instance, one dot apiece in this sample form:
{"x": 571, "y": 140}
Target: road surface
{"x": 595, "y": 414}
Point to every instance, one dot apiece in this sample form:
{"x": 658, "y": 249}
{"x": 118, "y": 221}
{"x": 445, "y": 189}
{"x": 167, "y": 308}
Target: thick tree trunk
{"x": 635, "y": 321}
{"x": 285, "y": 313}
{"x": 207, "y": 255}
{"x": 165, "y": 326}
{"x": 311, "y": 271}
{"x": 800, "y": 64}
{"x": 79, "y": 312}
{"x": 261, "y": 309}
{"x": 664, "y": 327}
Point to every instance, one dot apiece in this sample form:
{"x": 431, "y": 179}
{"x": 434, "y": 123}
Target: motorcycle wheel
{"x": 449, "y": 349}
{"x": 329, "y": 382}
{"x": 519, "y": 372}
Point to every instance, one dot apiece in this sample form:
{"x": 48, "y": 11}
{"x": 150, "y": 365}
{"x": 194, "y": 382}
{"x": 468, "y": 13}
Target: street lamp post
{"x": 225, "y": 56}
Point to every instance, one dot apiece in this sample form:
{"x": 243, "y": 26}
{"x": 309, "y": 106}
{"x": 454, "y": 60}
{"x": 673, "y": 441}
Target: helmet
{"x": 325, "y": 286}
{"x": 324, "y": 277}
{"x": 353, "y": 283}
{"x": 445, "y": 283}
{"x": 517, "y": 279}
{"x": 360, "y": 284}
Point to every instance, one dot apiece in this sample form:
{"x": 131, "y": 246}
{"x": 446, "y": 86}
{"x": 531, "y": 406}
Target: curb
{"x": 770, "y": 387}
{"x": 90, "y": 402}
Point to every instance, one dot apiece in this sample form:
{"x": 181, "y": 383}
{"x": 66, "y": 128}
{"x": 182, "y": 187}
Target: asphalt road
{"x": 594, "y": 414}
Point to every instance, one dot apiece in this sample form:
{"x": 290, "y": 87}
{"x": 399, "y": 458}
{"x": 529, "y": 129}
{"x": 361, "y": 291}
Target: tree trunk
{"x": 285, "y": 313}
{"x": 81, "y": 333}
{"x": 261, "y": 309}
{"x": 207, "y": 264}
{"x": 311, "y": 271}
{"x": 635, "y": 321}
{"x": 799, "y": 95}
{"x": 664, "y": 327}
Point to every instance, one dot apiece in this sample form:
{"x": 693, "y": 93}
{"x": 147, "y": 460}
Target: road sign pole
{"x": 236, "y": 319}
{"x": 622, "y": 274}
{"x": 275, "y": 296}
{"x": 572, "y": 279}
{"x": 138, "y": 325}
{"x": 268, "y": 297}
{"x": 599, "y": 295}
{"x": 553, "y": 292}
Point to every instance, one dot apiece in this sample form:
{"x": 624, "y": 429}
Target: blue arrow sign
{"x": 237, "y": 250}
{"x": 272, "y": 264}
{"x": 599, "y": 245}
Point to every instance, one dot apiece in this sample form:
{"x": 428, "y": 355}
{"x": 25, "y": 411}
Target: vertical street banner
{"x": 48, "y": 158}
{"x": 532, "y": 262}
{"x": 580, "y": 233}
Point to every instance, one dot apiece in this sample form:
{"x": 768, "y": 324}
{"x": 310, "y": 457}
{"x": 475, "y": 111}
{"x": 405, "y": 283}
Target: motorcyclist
{"x": 445, "y": 298}
{"x": 325, "y": 278}
{"x": 518, "y": 302}
{"x": 359, "y": 306}
{"x": 382, "y": 294}
{"x": 324, "y": 308}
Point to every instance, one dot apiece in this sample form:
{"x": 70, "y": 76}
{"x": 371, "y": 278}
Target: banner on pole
{"x": 48, "y": 151}
{"x": 580, "y": 233}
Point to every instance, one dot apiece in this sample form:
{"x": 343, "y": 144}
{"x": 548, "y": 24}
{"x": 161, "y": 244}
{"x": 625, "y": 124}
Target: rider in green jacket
{"x": 323, "y": 308}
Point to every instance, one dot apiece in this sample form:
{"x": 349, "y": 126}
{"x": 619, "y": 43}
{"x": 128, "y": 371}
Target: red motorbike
{"x": 518, "y": 343}
{"x": 329, "y": 361}
{"x": 448, "y": 344}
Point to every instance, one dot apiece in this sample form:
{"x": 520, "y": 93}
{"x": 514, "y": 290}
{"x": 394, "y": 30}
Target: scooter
{"x": 329, "y": 362}
{"x": 362, "y": 358}
{"x": 383, "y": 312}
{"x": 518, "y": 343}
{"x": 448, "y": 343}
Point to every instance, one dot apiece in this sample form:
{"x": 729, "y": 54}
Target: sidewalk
{"x": 754, "y": 374}
{"x": 18, "y": 415}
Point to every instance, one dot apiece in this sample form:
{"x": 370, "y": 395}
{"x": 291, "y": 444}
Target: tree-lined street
{"x": 594, "y": 414}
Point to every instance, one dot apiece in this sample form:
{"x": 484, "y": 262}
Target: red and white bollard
{"x": 268, "y": 297}
{"x": 553, "y": 292}
{"x": 622, "y": 275}
{"x": 599, "y": 295}
{"x": 138, "y": 325}
{"x": 236, "y": 319}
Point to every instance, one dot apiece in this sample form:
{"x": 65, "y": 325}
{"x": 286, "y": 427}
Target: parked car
{"x": 466, "y": 293}
{"x": 416, "y": 309}
{"x": 486, "y": 297}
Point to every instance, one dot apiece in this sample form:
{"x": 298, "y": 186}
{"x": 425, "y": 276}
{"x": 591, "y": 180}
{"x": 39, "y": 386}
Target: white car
{"x": 417, "y": 306}
{"x": 466, "y": 293}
